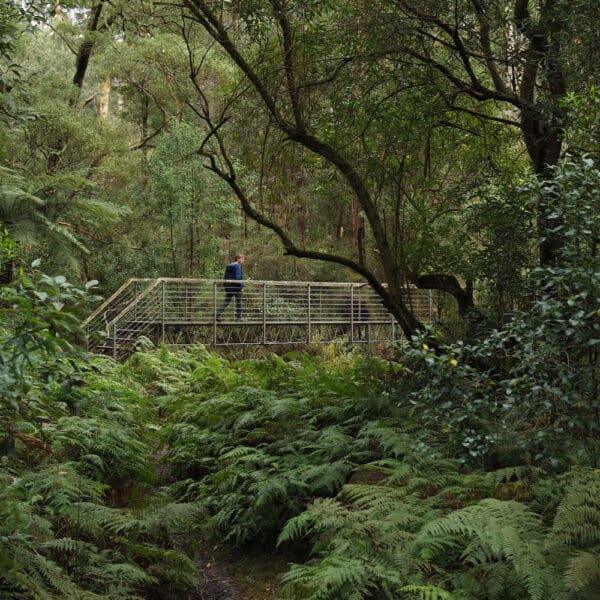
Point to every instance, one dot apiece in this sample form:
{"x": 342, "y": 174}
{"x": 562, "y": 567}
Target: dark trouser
{"x": 237, "y": 294}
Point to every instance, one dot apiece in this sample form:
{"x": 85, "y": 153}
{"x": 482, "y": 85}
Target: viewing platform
{"x": 183, "y": 312}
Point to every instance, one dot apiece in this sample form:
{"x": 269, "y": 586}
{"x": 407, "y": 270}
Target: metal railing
{"x": 184, "y": 312}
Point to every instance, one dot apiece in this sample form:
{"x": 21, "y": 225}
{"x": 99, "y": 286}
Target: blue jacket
{"x": 234, "y": 271}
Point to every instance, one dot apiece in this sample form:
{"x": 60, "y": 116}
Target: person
{"x": 233, "y": 272}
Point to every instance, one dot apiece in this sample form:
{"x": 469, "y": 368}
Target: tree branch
{"x": 288, "y": 62}
{"x": 484, "y": 38}
{"x": 217, "y": 31}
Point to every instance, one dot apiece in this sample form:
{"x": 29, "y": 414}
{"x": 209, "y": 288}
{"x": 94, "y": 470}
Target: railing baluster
{"x": 214, "y": 312}
{"x": 430, "y": 298}
{"x": 327, "y": 310}
{"x": 162, "y": 312}
{"x": 264, "y": 312}
{"x": 352, "y": 314}
{"x": 309, "y": 316}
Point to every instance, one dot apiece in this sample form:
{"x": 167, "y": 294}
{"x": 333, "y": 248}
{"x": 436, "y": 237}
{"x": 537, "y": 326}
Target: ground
{"x": 251, "y": 575}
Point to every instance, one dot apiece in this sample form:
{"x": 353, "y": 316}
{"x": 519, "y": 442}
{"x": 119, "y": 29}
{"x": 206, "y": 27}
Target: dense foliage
{"x": 448, "y": 145}
{"x": 112, "y": 473}
{"x": 79, "y": 516}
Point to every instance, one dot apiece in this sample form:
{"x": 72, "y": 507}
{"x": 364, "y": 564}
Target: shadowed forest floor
{"x": 251, "y": 577}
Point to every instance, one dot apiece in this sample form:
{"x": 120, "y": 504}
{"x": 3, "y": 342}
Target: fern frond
{"x": 334, "y": 577}
{"x": 577, "y": 518}
{"x": 67, "y": 545}
{"x": 297, "y": 527}
{"x": 241, "y": 453}
{"x": 497, "y": 530}
{"x": 516, "y": 473}
{"x": 95, "y": 519}
{"x": 431, "y": 592}
{"x": 394, "y": 443}
{"x": 128, "y": 575}
{"x": 380, "y": 498}
{"x": 47, "y": 574}
{"x": 583, "y": 572}
{"x": 327, "y": 512}
{"x": 323, "y": 478}
{"x": 331, "y": 443}
{"x": 58, "y": 487}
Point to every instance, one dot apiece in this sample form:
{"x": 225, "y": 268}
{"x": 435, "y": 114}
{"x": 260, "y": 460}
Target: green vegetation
{"x": 461, "y": 473}
{"x": 453, "y": 146}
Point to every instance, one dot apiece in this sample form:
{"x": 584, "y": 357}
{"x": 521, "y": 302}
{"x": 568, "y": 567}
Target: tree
{"x": 492, "y": 67}
{"x": 309, "y": 101}
{"x": 194, "y": 211}
{"x": 509, "y": 62}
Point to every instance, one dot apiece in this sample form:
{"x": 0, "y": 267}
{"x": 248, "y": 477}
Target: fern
{"x": 340, "y": 577}
{"x": 116, "y": 450}
{"x": 431, "y": 592}
{"x": 493, "y": 530}
{"x": 577, "y": 518}
{"x": 583, "y": 572}
{"x": 55, "y": 488}
{"x": 574, "y": 541}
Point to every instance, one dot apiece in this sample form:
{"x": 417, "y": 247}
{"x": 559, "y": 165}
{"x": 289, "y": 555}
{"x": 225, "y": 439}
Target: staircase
{"x": 131, "y": 312}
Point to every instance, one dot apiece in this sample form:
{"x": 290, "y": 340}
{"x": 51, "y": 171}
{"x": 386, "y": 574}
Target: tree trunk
{"x": 105, "y": 98}
{"x": 544, "y": 145}
{"x": 85, "y": 49}
{"x": 475, "y": 321}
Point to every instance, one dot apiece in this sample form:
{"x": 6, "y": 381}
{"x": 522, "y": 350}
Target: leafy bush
{"x": 78, "y": 515}
{"x": 531, "y": 385}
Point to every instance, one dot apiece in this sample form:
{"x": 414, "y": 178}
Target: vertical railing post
{"x": 351, "y": 313}
{"x": 214, "y": 313}
{"x": 136, "y": 292}
{"x": 264, "y": 312}
{"x": 162, "y": 311}
{"x": 114, "y": 340}
{"x": 430, "y": 298}
{"x": 308, "y": 316}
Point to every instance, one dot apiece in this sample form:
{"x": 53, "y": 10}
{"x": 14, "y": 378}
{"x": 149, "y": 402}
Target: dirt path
{"x": 215, "y": 582}
{"x": 224, "y": 576}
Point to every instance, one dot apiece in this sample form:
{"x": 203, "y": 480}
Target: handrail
{"x": 274, "y": 312}
{"x": 135, "y": 301}
{"x": 111, "y": 298}
{"x": 344, "y": 284}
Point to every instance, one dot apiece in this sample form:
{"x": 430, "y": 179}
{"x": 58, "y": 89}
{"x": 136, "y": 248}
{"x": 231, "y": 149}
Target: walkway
{"x": 182, "y": 312}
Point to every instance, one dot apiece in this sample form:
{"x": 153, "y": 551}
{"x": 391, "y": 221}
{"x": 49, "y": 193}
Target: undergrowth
{"x": 468, "y": 472}
{"x": 100, "y": 496}
{"x": 318, "y": 457}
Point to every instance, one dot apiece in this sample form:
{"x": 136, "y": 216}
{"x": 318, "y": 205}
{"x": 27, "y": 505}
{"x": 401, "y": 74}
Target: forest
{"x": 447, "y": 146}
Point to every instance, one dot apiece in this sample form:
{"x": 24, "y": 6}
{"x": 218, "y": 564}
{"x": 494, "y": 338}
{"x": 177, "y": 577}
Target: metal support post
{"x": 430, "y": 298}
{"x": 114, "y": 336}
{"x": 162, "y": 312}
{"x": 352, "y": 314}
{"x": 214, "y": 312}
{"x": 308, "y": 316}
{"x": 264, "y": 312}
